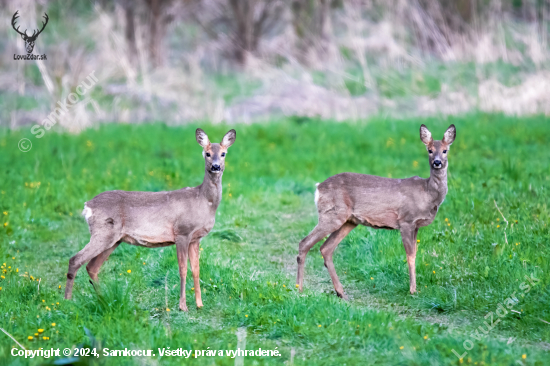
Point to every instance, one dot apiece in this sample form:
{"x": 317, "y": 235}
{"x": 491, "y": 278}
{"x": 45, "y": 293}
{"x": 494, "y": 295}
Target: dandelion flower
{"x": 40, "y": 330}
{"x": 372, "y": 278}
{"x": 284, "y": 286}
{"x": 418, "y": 240}
{"x": 0, "y": 288}
{"x": 524, "y": 356}
{"x": 36, "y": 334}
{"x": 59, "y": 287}
{"x": 426, "y": 336}
{"x": 57, "y": 303}
{"x": 53, "y": 324}
{"x": 246, "y": 315}
{"x": 320, "y": 325}
{"x": 433, "y": 272}
{"x": 129, "y": 271}
{"x": 167, "y": 309}
{"x": 30, "y": 338}
{"x": 297, "y": 286}
{"x": 401, "y": 347}
{"x": 446, "y": 219}
{"x": 498, "y": 226}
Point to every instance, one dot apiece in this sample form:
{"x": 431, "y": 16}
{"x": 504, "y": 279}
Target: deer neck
{"x": 211, "y": 188}
{"x": 437, "y": 184}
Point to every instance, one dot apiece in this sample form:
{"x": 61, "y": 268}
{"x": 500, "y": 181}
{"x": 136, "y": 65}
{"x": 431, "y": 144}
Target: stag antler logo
{"x": 29, "y": 40}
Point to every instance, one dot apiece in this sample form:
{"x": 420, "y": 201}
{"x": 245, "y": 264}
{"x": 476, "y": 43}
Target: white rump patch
{"x": 87, "y": 212}
{"x": 316, "y": 194}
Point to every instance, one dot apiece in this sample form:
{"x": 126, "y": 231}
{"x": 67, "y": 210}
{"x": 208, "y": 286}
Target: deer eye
{"x": 208, "y": 154}
{"x": 444, "y": 151}
{"x": 430, "y": 151}
{"x": 223, "y": 155}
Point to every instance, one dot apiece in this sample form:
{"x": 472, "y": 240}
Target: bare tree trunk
{"x": 130, "y": 30}
{"x": 243, "y": 13}
{"x": 157, "y": 29}
{"x": 155, "y": 38}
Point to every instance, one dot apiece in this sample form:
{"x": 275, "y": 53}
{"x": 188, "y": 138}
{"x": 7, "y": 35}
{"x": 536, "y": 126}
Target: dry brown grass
{"x": 372, "y": 37}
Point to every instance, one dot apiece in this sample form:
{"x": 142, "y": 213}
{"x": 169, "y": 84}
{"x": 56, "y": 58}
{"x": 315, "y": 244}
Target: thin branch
{"x": 504, "y": 218}
{"x": 15, "y": 340}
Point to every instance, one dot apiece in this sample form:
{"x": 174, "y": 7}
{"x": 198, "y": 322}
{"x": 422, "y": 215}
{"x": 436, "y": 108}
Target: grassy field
{"x": 465, "y": 268}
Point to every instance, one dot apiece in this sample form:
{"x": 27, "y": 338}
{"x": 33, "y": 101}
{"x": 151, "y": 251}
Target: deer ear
{"x": 425, "y": 135}
{"x": 202, "y": 138}
{"x": 229, "y": 138}
{"x": 449, "y": 135}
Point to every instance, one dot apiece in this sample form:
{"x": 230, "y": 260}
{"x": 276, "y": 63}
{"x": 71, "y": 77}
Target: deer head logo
{"x": 29, "y": 40}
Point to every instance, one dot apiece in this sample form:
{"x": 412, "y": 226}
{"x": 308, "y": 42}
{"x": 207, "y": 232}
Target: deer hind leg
{"x": 194, "y": 260}
{"x": 97, "y": 245}
{"x": 322, "y": 229}
{"x": 409, "y": 234}
{"x": 328, "y": 248}
{"x": 95, "y": 264}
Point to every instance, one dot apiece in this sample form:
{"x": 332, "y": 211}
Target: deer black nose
{"x": 437, "y": 162}
{"x": 215, "y": 167}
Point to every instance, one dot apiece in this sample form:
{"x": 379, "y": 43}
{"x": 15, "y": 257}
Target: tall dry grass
{"x": 299, "y": 61}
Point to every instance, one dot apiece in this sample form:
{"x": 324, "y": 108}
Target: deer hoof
{"x": 184, "y": 308}
{"x": 343, "y": 296}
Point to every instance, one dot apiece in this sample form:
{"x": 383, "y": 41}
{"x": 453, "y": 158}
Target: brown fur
{"x": 349, "y": 199}
{"x": 156, "y": 219}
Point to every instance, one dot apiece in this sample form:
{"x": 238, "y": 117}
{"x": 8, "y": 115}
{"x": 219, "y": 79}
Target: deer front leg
{"x": 194, "y": 259}
{"x": 408, "y": 234}
{"x": 182, "y": 247}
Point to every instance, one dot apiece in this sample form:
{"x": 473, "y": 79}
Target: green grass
{"x": 248, "y": 262}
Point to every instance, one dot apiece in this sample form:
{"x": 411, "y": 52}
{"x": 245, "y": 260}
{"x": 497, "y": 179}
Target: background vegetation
{"x": 179, "y": 61}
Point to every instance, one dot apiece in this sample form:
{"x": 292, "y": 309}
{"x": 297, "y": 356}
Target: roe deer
{"x": 156, "y": 219}
{"x": 348, "y": 199}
